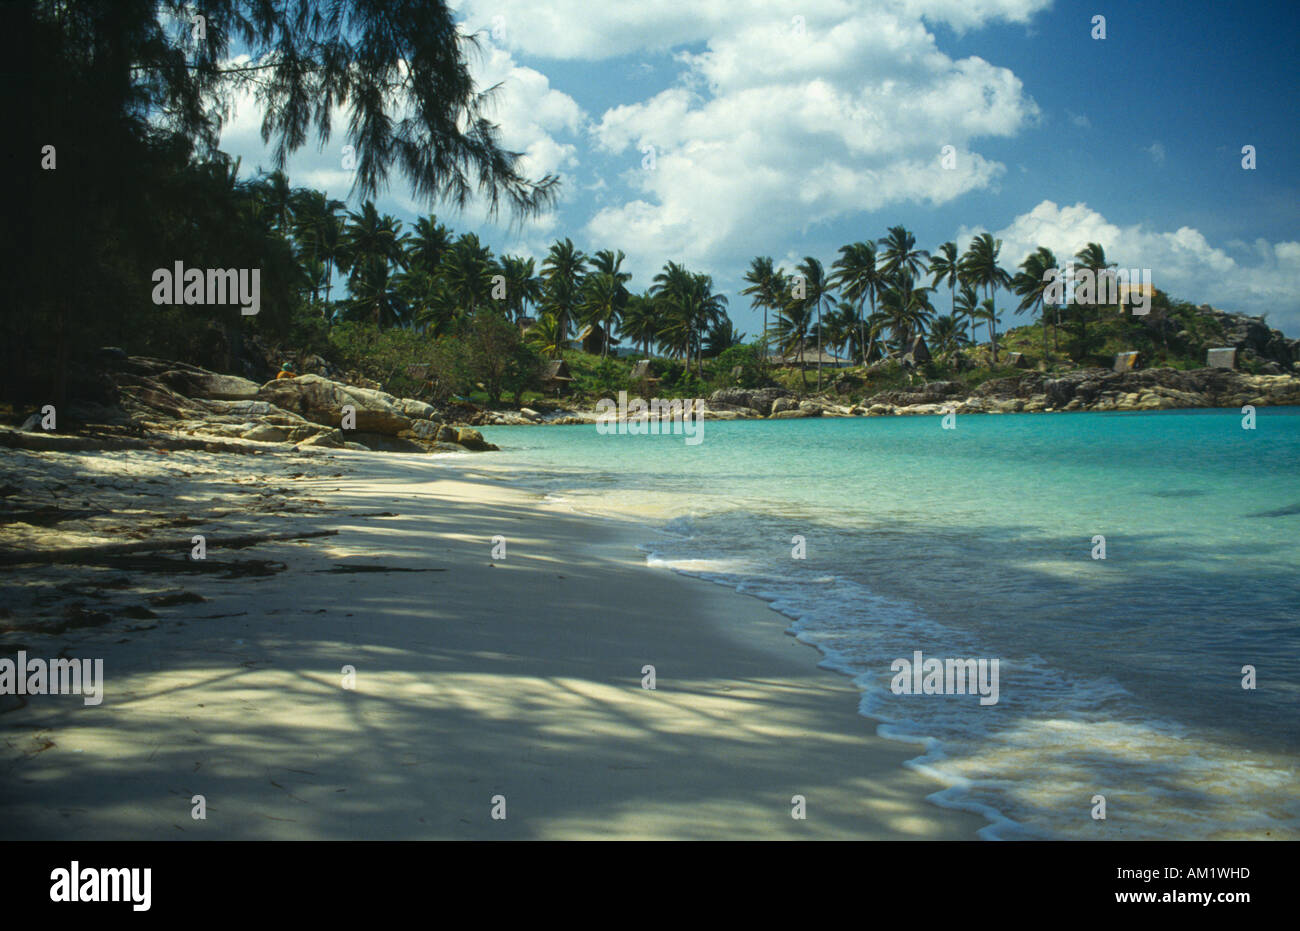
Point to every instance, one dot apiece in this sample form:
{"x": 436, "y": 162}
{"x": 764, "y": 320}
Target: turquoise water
{"x": 1119, "y": 677}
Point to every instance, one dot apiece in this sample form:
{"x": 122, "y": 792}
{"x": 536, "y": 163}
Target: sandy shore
{"x": 475, "y": 677}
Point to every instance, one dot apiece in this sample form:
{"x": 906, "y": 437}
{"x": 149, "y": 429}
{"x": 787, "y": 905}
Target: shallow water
{"x": 1119, "y": 677}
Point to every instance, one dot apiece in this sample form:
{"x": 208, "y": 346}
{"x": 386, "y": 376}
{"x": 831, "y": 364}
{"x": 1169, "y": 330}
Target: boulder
{"x": 782, "y": 405}
{"x": 382, "y": 442}
{"x": 471, "y": 439}
{"x": 417, "y": 410}
{"x": 321, "y": 401}
{"x": 266, "y": 433}
{"x": 790, "y": 414}
{"x": 445, "y": 434}
{"x": 332, "y": 439}
{"x": 426, "y": 430}
{"x": 210, "y": 385}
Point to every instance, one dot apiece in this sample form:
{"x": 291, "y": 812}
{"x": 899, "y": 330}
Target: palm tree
{"x": 1031, "y": 285}
{"x": 901, "y": 260}
{"x": 428, "y": 244}
{"x": 603, "y": 300}
{"x": 792, "y": 325}
{"x": 980, "y": 267}
{"x": 371, "y": 243}
{"x": 466, "y": 270}
{"x": 721, "y": 337}
{"x": 765, "y": 286}
{"x": 907, "y": 309}
{"x": 989, "y": 314}
{"x": 858, "y": 277}
{"x": 817, "y": 291}
{"x": 547, "y": 336}
{"x": 318, "y": 230}
{"x": 967, "y": 305}
{"x": 523, "y": 287}
{"x": 562, "y": 272}
{"x": 640, "y": 321}
{"x": 945, "y": 266}
{"x": 843, "y": 327}
{"x": 947, "y": 334}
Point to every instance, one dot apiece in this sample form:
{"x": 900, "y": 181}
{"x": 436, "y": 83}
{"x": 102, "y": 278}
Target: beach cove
{"x": 473, "y": 678}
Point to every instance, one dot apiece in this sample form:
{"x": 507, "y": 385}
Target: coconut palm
{"x": 967, "y": 305}
{"x": 908, "y": 310}
{"x": 603, "y": 300}
{"x": 979, "y": 266}
{"x": 765, "y": 287}
{"x": 947, "y": 334}
{"x": 988, "y": 313}
{"x": 546, "y": 336}
{"x": 640, "y": 321}
{"x": 1031, "y": 285}
{"x": 793, "y": 322}
{"x": 466, "y": 271}
{"x": 818, "y": 291}
{"x": 562, "y": 273}
{"x": 899, "y": 255}
{"x": 523, "y": 287}
{"x": 945, "y": 267}
{"x": 858, "y": 278}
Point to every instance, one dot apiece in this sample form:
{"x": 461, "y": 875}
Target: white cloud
{"x": 1255, "y": 278}
{"x": 583, "y": 30}
{"x": 1157, "y": 152}
{"x": 770, "y": 127}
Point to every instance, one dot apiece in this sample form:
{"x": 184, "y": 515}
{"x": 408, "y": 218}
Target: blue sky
{"x": 789, "y": 129}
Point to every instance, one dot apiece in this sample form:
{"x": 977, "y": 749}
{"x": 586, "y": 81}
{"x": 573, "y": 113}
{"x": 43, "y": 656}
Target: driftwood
{"x": 87, "y": 554}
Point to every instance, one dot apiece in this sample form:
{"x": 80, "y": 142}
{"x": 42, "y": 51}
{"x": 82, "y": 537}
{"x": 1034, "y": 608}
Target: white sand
{"x": 518, "y": 677}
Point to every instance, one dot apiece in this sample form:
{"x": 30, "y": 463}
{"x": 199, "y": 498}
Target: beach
{"x": 399, "y": 679}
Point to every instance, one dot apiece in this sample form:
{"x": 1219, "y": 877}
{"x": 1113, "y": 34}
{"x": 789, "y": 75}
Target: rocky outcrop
{"x": 156, "y": 395}
{"x": 1255, "y": 341}
{"x": 322, "y": 401}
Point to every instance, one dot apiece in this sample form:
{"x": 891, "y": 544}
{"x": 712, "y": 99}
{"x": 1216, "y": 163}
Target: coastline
{"x": 475, "y": 677}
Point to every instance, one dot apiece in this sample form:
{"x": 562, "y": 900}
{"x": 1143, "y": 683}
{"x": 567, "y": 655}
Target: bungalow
{"x": 556, "y": 375}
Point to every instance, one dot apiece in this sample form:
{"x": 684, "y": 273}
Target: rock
{"x": 880, "y": 410}
{"x": 265, "y": 433}
{"x": 382, "y": 442}
{"x": 359, "y": 447}
{"x": 811, "y": 408}
{"x": 329, "y": 438}
{"x": 446, "y": 434}
{"x": 426, "y": 430}
{"x": 530, "y": 413}
{"x": 210, "y": 385}
{"x": 783, "y": 404}
{"x": 417, "y": 410}
{"x": 471, "y": 439}
{"x": 321, "y": 401}
{"x": 790, "y": 414}
{"x": 303, "y": 432}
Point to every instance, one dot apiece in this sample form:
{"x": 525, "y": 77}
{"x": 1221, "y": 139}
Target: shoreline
{"x": 469, "y": 684}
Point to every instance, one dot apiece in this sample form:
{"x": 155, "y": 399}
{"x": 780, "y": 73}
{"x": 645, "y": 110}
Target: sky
{"x": 708, "y": 132}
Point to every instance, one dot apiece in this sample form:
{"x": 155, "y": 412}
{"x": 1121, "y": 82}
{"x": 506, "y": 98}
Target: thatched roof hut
{"x": 556, "y": 374}
{"x": 642, "y": 374}
{"x": 1129, "y": 293}
{"x": 918, "y": 352}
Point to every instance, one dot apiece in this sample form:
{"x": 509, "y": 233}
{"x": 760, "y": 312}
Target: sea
{"x": 1136, "y": 575}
